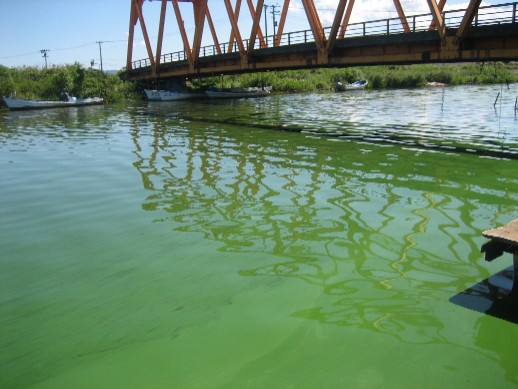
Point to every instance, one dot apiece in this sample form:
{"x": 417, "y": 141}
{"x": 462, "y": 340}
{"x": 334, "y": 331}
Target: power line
{"x": 61, "y": 49}
{"x": 73, "y": 47}
{"x": 19, "y": 55}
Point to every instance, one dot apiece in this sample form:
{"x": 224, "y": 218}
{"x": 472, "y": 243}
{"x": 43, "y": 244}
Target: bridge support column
{"x": 450, "y": 49}
{"x": 323, "y": 56}
{"x": 244, "y": 61}
{"x": 514, "y": 291}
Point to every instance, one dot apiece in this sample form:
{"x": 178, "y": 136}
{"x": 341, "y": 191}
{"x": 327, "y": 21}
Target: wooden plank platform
{"x": 503, "y": 239}
{"x": 506, "y": 234}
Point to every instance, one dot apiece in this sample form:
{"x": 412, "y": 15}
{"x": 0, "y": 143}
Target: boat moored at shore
{"x": 19, "y": 104}
{"x": 173, "y": 95}
{"x": 239, "y": 92}
{"x": 358, "y": 85}
{"x": 153, "y": 94}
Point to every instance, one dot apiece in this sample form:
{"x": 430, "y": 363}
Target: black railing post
{"x": 514, "y": 13}
{"x": 364, "y": 29}
{"x": 388, "y": 26}
{"x": 413, "y": 24}
{"x": 324, "y": 34}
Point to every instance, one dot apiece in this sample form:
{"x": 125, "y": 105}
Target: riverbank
{"x": 36, "y": 83}
{"x": 380, "y": 77}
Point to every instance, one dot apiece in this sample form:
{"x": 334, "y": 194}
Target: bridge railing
{"x": 493, "y": 14}
{"x": 487, "y": 15}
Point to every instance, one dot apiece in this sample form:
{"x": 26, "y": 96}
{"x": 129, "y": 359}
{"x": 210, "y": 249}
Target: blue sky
{"x": 70, "y": 29}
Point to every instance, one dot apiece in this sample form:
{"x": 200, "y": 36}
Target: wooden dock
{"x": 503, "y": 239}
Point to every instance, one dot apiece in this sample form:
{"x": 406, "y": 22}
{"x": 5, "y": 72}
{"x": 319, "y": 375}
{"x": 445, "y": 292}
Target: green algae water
{"x": 303, "y": 241}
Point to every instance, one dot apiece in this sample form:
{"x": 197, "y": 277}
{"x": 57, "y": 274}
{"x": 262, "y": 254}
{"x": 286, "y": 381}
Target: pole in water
{"x": 516, "y": 104}
{"x": 497, "y": 96}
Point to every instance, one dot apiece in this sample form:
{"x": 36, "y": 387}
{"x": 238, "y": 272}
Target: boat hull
{"x": 153, "y": 94}
{"x": 238, "y": 93}
{"x": 173, "y": 96}
{"x": 358, "y": 85}
{"x": 21, "y": 104}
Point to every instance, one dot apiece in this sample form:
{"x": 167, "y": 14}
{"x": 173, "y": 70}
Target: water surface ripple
{"x": 193, "y": 245}
{"x": 437, "y": 118}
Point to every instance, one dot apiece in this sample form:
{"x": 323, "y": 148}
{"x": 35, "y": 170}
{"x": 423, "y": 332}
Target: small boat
{"x": 361, "y": 84}
{"x": 65, "y": 101}
{"x": 172, "y": 95}
{"x": 238, "y": 92}
{"x": 435, "y": 84}
{"x": 153, "y": 94}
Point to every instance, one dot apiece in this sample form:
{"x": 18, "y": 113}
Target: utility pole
{"x": 101, "y": 54}
{"x": 44, "y": 52}
{"x": 274, "y": 12}
{"x": 266, "y": 23}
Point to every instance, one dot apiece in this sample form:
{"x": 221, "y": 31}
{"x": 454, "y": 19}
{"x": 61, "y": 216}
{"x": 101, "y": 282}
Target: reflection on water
{"x": 162, "y": 240}
{"x": 448, "y": 119}
{"x": 361, "y": 221}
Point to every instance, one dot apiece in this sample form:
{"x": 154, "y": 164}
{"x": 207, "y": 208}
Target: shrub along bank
{"x": 380, "y": 77}
{"x": 36, "y": 83}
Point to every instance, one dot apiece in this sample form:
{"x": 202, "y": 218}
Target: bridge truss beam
{"x": 328, "y": 47}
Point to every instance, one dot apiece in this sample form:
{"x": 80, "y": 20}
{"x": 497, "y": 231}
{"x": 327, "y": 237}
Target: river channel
{"x": 293, "y": 241}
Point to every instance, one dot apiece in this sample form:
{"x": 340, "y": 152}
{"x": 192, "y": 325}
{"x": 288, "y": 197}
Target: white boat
{"x": 239, "y": 92}
{"x": 153, "y": 94}
{"x": 172, "y": 95}
{"x": 361, "y": 84}
{"x": 433, "y": 83}
{"x": 16, "y": 104}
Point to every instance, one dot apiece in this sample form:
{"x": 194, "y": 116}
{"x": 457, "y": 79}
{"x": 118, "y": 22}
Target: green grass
{"x": 380, "y": 77}
{"x": 33, "y": 82}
